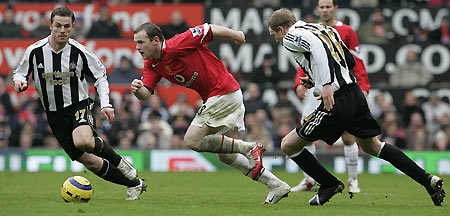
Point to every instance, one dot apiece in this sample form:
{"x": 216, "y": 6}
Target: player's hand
{"x": 108, "y": 113}
{"x": 301, "y": 91}
{"x": 136, "y": 85}
{"x": 240, "y": 38}
{"x": 365, "y": 93}
{"x": 306, "y": 82}
{"x": 20, "y": 86}
{"x": 327, "y": 97}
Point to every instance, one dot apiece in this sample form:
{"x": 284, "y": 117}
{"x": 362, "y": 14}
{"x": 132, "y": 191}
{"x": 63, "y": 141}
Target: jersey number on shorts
{"x": 80, "y": 114}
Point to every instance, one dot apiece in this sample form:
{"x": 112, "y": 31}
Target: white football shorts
{"x": 222, "y": 110}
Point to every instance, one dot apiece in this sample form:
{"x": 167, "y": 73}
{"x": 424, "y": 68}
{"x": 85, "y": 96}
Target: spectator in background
{"x": 410, "y": 106}
{"x": 434, "y": 110}
{"x": 124, "y": 127}
{"x": 252, "y": 99}
{"x": 155, "y": 133}
{"x": 256, "y": 131}
{"x": 8, "y": 28}
{"x": 79, "y": 30}
{"x": 364, "y": 3}
{"x": 392, "y": 132}
{"x": 155, "y": 104}
{"x": 376, "y": 30}
{"x": 411, "y": 74}
{"x": 5, "y": 101}
{"x": 178, "y": 25}
{"x": 416, "y": 134}
{"x": 123, "y": 74}
{"x": 442, "y": 34}
{"x": 104, "y": 27}
{"x": 182, "y": 107}
{"x": 442, "y": 139}
{"x": 43, "y": 30}
{"x": 267, "y": 75}
{"x": 4, "y": 134}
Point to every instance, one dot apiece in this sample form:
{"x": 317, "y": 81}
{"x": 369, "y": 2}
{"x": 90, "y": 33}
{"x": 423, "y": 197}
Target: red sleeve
{"x": 300, "y": 73}
{"x": 359, "y": 69}
{"x": 191, "y": 39}
{"x": 149, "y": 76}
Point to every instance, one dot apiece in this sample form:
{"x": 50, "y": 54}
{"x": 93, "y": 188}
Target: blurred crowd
{"x": 272, "y": 108}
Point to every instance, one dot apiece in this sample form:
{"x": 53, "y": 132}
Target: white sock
{"x": 241, "y": 163}
{"x": 224, "y": 144}
{"x": 351, "y": 158}
{"x": 311, "y": 148}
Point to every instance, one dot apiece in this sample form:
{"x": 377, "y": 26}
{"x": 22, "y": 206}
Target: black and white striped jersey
{"x": 321, "y": 53}
{"x": 60, "y": 77}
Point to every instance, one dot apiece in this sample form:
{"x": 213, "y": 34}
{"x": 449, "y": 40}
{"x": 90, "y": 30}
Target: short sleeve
{"x": 150, "y": 77}
{"x": 191, "y": 39}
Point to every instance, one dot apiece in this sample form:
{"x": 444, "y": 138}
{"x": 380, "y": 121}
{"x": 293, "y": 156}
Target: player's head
{"x": 279, "y": 23}
{"x": 327, "y": 10}
{"x": 61, "y": 24}
{"x": 148, "y": 38}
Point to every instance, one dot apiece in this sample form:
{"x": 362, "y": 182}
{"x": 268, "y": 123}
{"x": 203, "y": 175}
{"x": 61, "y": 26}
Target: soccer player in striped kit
{"x": 59, "y": 66}
{"x": 327, "y": 62}
{"x": 186, "y": 61}
{"x": 327, "y": 10}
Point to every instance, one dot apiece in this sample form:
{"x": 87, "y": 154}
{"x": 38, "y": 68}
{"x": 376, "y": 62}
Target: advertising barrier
{"x": 35, "y": 160}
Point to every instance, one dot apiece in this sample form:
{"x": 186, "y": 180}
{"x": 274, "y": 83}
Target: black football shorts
{"x": 350, "y": 113}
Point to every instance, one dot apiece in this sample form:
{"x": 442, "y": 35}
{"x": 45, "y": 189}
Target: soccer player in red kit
{"x": 185, "y": 60}
{"x": 327, "y": 10}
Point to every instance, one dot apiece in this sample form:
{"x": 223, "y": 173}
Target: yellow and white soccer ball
{"x": 77, "y": 189}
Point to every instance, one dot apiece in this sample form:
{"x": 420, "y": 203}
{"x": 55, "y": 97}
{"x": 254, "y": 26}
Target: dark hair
{"x": 281, "y": 17}
{"x": 334, "y": 2}
{"x": 62, "y": 11}
{"x": 151, "y": 30}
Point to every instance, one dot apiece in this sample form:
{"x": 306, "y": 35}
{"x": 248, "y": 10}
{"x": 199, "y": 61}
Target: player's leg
{"x": 308, "y": 183}
{"x": 104, "y": 169}
{"x": 390, "y": 153}
{"x": 351, "y": 159}
{"x": 277, "y": 189}
{"x": 218, "y": 115}
{"x": 85, "y": 138}
{"x": 293, "y": 145}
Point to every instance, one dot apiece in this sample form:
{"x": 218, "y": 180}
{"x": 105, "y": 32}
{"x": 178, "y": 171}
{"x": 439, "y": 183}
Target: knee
{"x": 285, "y": 146}
{"x": 191, "y": 142}
{"x": 372, "y": 147}
{"x": 84, "y": 143}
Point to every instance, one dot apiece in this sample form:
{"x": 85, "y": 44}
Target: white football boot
{"x": 278, "y": 193}
{"x": 305, "y": 185}
{"x": 134, "y": 192}
{"x": 353, "y": 186}
{"x": 127, "y": 169}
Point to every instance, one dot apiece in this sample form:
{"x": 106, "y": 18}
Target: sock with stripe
{"x": 351, "y": 159}
{"x": 311, "y": 148}
{"x": 268, "y": 178}
{"x": 308, "y": 163}
{"x": 110, "y": 173}
{"x": 104, "y": 150}
{"x": 403, "y": 163}
{"x": 223, "y": 144}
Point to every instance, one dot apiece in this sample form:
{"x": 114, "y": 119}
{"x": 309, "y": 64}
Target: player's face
{"x": 326, "y": 10}
{"x": 147, "y": 49}
{"x": 61, "y": 29}
{"x": 278, "y": 35}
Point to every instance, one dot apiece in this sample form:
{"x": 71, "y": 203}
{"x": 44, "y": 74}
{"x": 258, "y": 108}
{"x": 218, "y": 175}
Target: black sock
{"x": 308, "y": 163}
{"x": 110, "y": 173}
{"x": 104, "y": 150}
{"x": 402, "y": 162}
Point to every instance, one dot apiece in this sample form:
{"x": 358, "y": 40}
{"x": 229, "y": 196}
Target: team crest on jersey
{"x": 196, "y": 31}
{"x": 72, "y": 66}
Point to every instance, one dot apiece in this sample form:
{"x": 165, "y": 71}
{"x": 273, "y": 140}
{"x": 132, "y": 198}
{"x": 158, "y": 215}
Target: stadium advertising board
{"x": 128, "y": 16}
{"x": 380, "y": 60}
{"x": 186, "y": 160}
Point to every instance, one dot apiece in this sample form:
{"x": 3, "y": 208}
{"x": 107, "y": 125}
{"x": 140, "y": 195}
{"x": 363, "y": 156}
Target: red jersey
{"x": 350, "y": 39}
{"x": 186, "y": 61}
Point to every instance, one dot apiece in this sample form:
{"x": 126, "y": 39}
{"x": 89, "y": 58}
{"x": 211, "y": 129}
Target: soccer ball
{"x": 77, "y": 189}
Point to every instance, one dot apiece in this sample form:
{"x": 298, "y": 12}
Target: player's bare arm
{"x": 20, "y": 86}
{"x": 226, "y": 33}
{"x": 138, "y": 90}
{"x": 108, "y": 113}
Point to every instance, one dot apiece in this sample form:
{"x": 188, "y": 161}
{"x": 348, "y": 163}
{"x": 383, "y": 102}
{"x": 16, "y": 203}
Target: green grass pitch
{"x": 219, "y": 193}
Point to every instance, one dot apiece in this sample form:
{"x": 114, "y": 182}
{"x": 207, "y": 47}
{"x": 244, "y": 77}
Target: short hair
{"x": 334, "y": 2}
{"x": 64, "y": 12}
{"x": 151, "y": 30}
{"x": 281, "y": 17}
